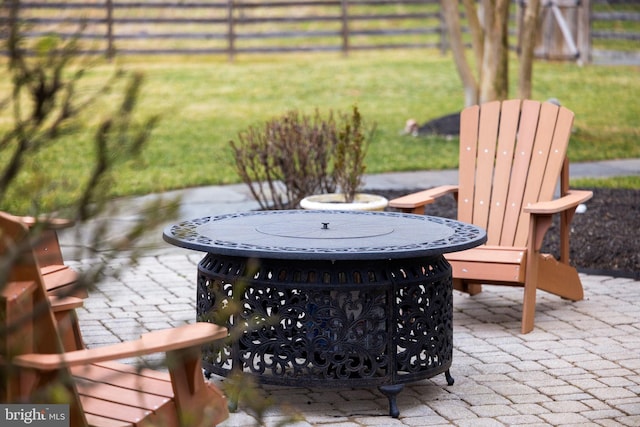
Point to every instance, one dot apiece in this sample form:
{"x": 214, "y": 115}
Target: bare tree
{"x": 488, "y": 23}
{"x": 528, "y": 40}
{"x": 470, "y": 82}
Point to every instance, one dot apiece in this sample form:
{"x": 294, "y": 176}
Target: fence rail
{"x": 232, "y": 27}
{"x": 615, "y": 16}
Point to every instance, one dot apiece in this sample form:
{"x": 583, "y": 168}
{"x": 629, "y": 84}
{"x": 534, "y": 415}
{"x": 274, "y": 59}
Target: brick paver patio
{"x": 580, "y": 366}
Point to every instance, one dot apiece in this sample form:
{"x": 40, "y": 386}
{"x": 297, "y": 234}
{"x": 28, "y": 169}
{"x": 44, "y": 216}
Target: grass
{"x": 626, "y": 182}
{"x": 205, "y": 102}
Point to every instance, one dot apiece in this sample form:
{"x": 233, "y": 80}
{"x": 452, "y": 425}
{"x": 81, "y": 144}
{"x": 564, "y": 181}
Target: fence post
{"x": 444, "y": 34}
{"x": 231, "y": 37}
{"x": 344, "y": 6}
{"x": 110, "y": 45}
{"x": 584, "y": 31}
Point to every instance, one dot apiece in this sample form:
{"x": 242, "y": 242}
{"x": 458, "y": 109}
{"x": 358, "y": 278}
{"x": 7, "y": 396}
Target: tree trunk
{"x": 528, "y": 42}
{"x": 451, "y": 16}
{"x": 495, "y": 66}
{"x": 477, "y": 33}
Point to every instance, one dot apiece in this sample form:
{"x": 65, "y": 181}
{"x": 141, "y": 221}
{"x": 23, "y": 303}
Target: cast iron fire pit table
{"x": 328, "y": 298}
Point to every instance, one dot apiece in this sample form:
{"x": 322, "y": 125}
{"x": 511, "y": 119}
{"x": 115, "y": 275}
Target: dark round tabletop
{"x": 326, "y": 235}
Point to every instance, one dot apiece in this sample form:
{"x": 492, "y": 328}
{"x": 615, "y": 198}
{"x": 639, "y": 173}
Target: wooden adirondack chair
{"x": 512, "y": 157}
{"x": 59, "y": 279}
{"x": 37, "y": 367}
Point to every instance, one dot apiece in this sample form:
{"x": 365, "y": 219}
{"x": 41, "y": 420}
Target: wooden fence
{"x": 233, "y": 27}
{"x": 564, "y": 31}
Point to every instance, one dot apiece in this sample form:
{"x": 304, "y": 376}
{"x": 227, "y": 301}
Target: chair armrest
{"x": 65, "y": 303}
{"x": 570, "y": 201}
{"x": 46, "y": 222}
{"x": 418, "y": 200}
{"x": 154, "y": 342}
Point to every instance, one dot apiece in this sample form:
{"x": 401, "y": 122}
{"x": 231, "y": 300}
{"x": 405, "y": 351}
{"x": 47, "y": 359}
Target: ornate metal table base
{"x": 318, "y": 323}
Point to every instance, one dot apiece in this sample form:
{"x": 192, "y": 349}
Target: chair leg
{"x": 528, "y": 308}
{"x": 70, "y": 332}
{"x": 529, "y": 298}
{"x": 191, "y": 392}
{"x": 466, "y": 287}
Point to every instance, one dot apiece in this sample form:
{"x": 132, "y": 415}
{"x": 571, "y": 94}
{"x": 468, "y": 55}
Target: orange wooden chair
{"x": 38, "y": 364}
{"x": 59, "y": 278}
{"x": 513, "y": 154}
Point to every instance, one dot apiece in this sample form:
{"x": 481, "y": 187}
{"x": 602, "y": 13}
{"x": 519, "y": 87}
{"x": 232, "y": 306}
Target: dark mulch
{"x": 604, "y": 240}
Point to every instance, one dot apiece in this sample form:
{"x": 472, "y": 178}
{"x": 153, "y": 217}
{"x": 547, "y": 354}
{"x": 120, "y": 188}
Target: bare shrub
{"x": 297, "y": 155}
{"x": 350, "y": 152}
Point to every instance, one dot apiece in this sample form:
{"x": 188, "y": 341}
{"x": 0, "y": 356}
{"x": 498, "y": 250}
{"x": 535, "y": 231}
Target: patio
{"x": 579, "y": 366}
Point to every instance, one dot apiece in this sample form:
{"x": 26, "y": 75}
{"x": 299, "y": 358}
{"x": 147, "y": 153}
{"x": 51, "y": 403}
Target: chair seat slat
{"x": 133, "y": 381}
{"x": 104, "y": 413}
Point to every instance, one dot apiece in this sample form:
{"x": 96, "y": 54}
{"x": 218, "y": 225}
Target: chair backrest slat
{"x": 519, "y": 174}
{"x": 537, "y": 168}
{"x": 509, "y": 119}
{"x": 511, "y": 155}
{"x": 558, "y": 153}
{"x": 469, "y": 120}
{"x": 487, "y": 137}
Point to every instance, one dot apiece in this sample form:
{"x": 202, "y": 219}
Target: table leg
{"x": 449, "y": 378}
{"x": 392, "y": 391}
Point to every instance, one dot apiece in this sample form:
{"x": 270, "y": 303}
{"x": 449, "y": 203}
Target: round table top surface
{"x": 327, "y": 235}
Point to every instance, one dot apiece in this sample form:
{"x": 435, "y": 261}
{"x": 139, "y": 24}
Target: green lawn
{"x": 205, "y": 102}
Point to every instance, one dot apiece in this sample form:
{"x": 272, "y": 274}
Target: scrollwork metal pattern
{"x": 424, "y": 315}
{"x": 321, "y": 323}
